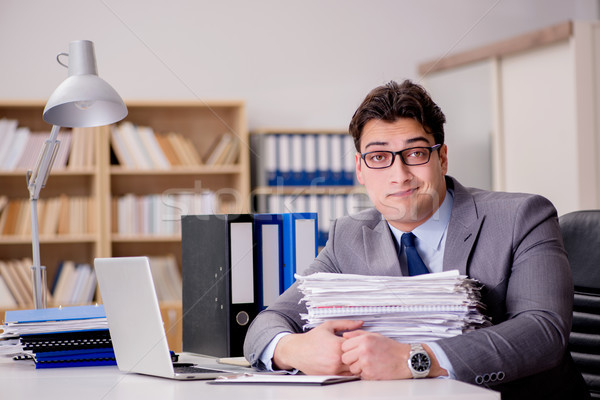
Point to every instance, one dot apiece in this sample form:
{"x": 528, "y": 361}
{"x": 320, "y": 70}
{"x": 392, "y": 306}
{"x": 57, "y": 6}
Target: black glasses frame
{"x": 399, "y": 153}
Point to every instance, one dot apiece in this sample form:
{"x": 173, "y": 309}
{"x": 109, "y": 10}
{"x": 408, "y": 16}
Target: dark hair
{"x": 392, "y": 101}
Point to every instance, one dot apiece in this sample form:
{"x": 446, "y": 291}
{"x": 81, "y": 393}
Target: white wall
{"x": 297, "y": 64}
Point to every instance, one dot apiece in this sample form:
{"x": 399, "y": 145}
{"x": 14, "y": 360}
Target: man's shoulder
{"x": 369, "y": 217}
{"x": 504, "y": 200}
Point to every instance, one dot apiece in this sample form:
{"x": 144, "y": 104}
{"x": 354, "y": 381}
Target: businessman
{"x": 425, "y": 221}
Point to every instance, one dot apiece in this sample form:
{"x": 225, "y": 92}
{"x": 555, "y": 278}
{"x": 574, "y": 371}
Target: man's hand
{"x": 316, "y": 352}
{"x": 376, "y": 357}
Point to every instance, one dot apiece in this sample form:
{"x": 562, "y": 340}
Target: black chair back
{"x": 581, "y": 235}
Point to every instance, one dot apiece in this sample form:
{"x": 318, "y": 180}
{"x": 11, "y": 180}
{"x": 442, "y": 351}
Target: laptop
{"x": 135, "y": 324}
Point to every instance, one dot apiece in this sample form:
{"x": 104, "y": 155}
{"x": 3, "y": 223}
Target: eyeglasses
{"x": 412, "y": 156}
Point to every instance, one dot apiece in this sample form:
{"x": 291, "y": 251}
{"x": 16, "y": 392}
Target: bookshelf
{"x": 312, "y": 171}
{"x": 200, "y": 123}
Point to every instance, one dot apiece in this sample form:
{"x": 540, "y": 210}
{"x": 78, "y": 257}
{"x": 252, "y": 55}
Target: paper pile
{"x": 75, "y": 336}
{"x": 408, "y": 309}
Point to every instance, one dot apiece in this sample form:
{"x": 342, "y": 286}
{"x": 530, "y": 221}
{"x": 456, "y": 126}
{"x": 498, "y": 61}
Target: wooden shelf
{"x": 200, "y": 122}
{"x": 145, "y": 238}
{"x": 59, "y": 239}
{"x": 202, "y": 170}
{"x": 20, "y": 174}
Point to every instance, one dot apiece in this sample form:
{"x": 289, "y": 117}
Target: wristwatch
{"x": 419, "y": 362}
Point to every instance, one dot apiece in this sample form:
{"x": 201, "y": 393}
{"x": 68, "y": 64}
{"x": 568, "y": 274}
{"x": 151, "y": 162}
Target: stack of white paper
{"x": 419, "y": 308}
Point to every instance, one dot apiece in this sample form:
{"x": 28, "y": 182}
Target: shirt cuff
{"x": 442, "y": 359}
{"x": 266, "y": 358}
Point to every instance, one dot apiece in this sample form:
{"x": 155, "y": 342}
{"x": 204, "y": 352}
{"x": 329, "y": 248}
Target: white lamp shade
{"x": 83, "y": 99}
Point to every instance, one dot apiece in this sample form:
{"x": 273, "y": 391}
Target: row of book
{"x": 329, "y": 207}
{"x": 303, "y": 159}
{"x": 167, "y": 278}
{"x": 158, "y": 214}
{"x": 58, "y": 337}
{"x": 234, "y": 265}
{"x": 140, "y": 147}
{"x": 75, "y": 283}
{"x": 61, "y": 215}
{"x": 16, "y": 283}
{"x": 20, "y": 148}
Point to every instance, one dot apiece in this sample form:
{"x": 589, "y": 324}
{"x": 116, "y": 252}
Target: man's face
{"x": 406, "y": 195}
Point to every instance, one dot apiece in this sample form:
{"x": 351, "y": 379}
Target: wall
{"x": 298, "y": 64}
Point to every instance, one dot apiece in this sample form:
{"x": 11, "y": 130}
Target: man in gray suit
{"x": 510, "y": 242}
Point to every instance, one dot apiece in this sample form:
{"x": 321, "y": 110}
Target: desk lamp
{"x": 82, "y": 100}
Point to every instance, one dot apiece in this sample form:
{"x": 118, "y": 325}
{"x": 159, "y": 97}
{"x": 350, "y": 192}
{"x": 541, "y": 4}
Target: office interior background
{"x": 300, "y": 65}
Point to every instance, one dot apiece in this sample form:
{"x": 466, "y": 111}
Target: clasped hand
{"x": 341, "y": 348}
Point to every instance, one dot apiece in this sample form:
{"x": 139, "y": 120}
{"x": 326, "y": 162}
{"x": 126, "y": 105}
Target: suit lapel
{"x": 380, "y": 249}
{"x": 463, "y": 229}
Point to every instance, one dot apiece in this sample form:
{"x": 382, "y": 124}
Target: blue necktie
{"x": 416, "y": 266}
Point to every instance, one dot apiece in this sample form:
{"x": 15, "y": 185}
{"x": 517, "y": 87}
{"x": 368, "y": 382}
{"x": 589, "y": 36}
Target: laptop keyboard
{"x": 190, "y": 369}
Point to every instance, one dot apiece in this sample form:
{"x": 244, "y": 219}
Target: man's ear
{"x": 444, "y": 159}
{"x": 358, "y": 159}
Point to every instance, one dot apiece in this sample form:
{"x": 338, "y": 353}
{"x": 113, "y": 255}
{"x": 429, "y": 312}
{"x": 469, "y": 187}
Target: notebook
{"x": 134, "y": 321}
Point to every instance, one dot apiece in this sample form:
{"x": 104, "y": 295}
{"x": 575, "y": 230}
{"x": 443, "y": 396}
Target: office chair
{"x": 581, "y": 235}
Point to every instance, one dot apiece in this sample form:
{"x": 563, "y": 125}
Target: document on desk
{"x": 278, "y": 379}
{"x": 408, "y": 309}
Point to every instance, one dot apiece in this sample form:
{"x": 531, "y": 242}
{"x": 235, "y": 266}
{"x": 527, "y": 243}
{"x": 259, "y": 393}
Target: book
{"x": 167, "y": 148}
{"x": 7, "y": 300}
{"x": 119, "y": 148}
{"x": 191, "y": 151}
{"x": 64, "y": 282}
{"x": 63, "y": 216}
{"x": 12, "y": 216}
{"x": 17, "y": 148}
{"x": 8, "y": 129}
{"x": 12, "y": 281}
{"x": 153, "y": 149}
{"x": 179, "y": 146}
{"x": 218, "y": 149}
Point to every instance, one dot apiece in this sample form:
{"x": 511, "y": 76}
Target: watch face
{"x": 420, "y": 362}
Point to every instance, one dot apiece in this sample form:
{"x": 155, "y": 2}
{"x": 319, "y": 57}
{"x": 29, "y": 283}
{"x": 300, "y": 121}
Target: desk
{"x": 20, "y": 380}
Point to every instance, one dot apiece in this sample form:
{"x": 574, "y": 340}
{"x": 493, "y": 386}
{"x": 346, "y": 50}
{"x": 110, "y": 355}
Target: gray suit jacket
{"x": 512, "y": 244}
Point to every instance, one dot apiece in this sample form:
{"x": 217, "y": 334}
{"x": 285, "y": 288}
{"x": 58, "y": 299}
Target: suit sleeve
{"x": 530, "y": 293}
{"x": 284, "y": 314}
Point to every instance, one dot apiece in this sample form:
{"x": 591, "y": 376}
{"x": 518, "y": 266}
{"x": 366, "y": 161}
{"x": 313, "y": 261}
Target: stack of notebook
{"x": 420, "y": 308}
{"x": 62, "y": 337}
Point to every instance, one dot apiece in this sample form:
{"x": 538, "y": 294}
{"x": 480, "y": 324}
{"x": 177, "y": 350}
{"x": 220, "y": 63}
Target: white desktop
{"x": 20, "y": 380}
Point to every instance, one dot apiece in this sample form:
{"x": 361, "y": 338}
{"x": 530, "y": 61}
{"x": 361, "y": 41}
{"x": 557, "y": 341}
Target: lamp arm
{"x": 36, "y": 180}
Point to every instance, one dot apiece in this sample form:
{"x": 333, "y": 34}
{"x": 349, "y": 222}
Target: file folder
{"x": 310, "y": 156}
{"x": 297, "y": 161}
{"x": 299, "y": 244}
{"x": 220, "y": 297}
{"x": 268, "y": 232}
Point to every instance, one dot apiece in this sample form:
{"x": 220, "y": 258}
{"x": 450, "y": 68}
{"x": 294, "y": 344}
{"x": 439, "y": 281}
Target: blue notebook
{"x": 55, "y": 314}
